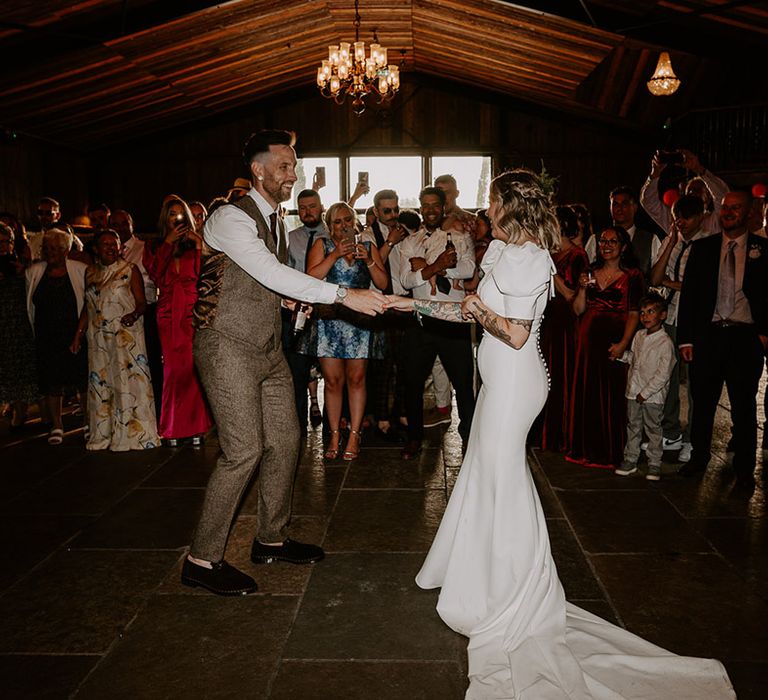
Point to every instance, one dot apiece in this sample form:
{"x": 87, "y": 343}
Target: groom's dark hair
{"x": 260, "y": 141}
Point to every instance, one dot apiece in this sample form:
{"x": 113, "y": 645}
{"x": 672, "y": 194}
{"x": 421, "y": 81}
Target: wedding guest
{"x": 18, "y": 373}
{"x": 121, "y": 411}
{"x": 558, "y": 336}
{"x": 722, "y": 331}
{"x": 650, "y": 367}
{"x": 585, "y": 224}
{"x": 132, "y": 249}
{"x": 199, "y": 214}
{"x": 55, "y": 298}
{"x": 175, "y": 267}
{"x": 343, "y": 344}
{"x": 607, "y": 300}
{"x": 20, "y": 244}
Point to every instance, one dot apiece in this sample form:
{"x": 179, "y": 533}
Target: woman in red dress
{"x": 558, "y": 336}
{"x": 174, "y": 267}
{"x": 608, "y": 297}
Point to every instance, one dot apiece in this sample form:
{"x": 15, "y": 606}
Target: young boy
{"x": 651, "y": 361}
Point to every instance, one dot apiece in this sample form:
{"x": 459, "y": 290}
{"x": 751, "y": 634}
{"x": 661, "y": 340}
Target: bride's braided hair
{"x": 526, "y": 209}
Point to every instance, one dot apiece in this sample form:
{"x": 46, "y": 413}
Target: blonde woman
{"x": 343, "y": 342}
{"x": 491, "y": 554}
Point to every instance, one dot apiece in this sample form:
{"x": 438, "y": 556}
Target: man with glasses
{"x": 387, "y": 233}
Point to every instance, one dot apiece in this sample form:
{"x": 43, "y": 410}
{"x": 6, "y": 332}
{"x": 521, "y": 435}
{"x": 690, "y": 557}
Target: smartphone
{"x": 320, "y": 176}
{"x": 671, "y": 157}
{"x": 362, "y": 177}
{"x": 179, "y": 220}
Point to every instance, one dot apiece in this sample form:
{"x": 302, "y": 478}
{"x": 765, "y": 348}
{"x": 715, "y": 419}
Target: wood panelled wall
{"x": 200, "y": 161}
{"x": 30, "y": 169}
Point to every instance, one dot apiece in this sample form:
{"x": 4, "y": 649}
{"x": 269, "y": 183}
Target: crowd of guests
{"x": 110, "y": 322}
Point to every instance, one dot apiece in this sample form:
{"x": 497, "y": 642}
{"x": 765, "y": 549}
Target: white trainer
{"x": 676, "y": 444}
{"x": 685, "y": 452}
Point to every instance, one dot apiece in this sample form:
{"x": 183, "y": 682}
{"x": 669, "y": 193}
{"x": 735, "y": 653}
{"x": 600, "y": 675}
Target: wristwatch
{"x": 341, "y": 294}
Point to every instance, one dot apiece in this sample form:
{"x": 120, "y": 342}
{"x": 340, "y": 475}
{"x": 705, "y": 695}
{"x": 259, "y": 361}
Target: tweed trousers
{"x": 250, "y": 393}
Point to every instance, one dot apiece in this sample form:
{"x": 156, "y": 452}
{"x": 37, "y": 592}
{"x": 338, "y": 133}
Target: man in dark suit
{"x": 723, "y": 332}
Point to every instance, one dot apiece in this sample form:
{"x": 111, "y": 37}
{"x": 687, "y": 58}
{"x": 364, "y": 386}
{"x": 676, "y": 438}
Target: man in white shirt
{"x": 645, "y": 244}
{"x": 436, "y": 257}
{"x": 668, "y": 272}
{"x": 239, "y": 356}
{"x": 706, "y": 186}
{"x": 132, "y": 250}
{"x": 386, "y": 232}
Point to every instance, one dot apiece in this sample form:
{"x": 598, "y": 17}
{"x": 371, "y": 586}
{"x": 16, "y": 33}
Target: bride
{"x": 491, "y": 554}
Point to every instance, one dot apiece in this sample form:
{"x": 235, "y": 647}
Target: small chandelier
{"x": 348, "y": 72}
{"x": 663, "y": 81}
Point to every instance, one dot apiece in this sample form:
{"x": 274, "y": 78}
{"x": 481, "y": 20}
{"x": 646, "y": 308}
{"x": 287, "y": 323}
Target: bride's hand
{"x": 393, "y": 301}
{"x": 469, "y": 305}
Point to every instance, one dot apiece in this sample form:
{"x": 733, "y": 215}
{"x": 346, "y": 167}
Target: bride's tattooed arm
{"x": 512, "y": 331}
{"x": 445, "y": 310}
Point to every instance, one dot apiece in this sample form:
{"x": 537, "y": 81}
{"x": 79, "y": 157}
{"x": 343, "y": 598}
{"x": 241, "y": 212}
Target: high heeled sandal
{"x": 331, "y": 453}
{"x": 349, "y": 455}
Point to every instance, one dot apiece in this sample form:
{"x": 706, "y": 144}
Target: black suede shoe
{"x": 222, "y": 579}
{"x": 290, "y": 551}
{"x": 692, "y": 469}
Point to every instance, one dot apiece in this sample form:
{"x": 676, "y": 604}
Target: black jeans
{"x": 732, "y": 356}
{"x": 451, "y": 342}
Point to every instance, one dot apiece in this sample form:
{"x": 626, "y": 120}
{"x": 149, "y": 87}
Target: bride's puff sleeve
{"x": 522, "y": 275}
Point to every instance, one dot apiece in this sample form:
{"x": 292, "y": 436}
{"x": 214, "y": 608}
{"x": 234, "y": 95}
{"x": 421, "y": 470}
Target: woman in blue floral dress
{"x": 344, "y": 337}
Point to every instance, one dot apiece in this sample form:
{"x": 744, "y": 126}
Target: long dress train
{"x": 491, "y": 554}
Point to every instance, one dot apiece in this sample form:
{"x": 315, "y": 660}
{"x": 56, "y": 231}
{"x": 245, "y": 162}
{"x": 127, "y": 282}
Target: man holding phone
{"x": 239, "y": 355}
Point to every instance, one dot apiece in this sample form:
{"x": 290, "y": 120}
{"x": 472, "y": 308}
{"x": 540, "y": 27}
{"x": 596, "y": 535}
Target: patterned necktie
{"x": 726, "y": 289}
{"x": 282, "y": 251}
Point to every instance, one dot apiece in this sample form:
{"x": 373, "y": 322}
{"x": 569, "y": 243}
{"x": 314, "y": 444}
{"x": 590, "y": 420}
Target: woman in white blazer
{"x": 55, "y": 296}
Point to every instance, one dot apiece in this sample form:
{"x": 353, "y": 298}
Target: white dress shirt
{"x": 230, "y": 230}
{"x": 662, "y": 214}
{"x": 677, "y": 251}
{"x": 133, "y": 251}
{"x": 651, "y": 360}
{"x": 591, "y": 247}
{"x": 429, "y": 246}
{"x": 298, "y": 240}
{"x": 393, "y": 258}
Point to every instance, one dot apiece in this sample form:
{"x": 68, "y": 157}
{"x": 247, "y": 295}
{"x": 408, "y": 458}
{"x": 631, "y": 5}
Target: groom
{"x": 240, "y": 360}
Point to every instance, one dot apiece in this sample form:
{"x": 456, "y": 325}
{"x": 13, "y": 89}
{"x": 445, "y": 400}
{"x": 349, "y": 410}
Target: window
{"x": 404, "y": 174}
{"x": 400, "y": 173}
{"x": 473, "y": 178}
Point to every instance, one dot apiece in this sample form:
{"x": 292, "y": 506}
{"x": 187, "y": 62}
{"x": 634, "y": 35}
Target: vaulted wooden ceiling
{"x": 94, "y": 72}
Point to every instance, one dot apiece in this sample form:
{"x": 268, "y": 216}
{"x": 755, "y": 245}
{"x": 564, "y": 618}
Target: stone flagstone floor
{"x": 92, "y": 608}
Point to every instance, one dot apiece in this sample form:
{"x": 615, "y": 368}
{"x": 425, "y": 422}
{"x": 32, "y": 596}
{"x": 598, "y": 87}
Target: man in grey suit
{"x": 240, "y": 360}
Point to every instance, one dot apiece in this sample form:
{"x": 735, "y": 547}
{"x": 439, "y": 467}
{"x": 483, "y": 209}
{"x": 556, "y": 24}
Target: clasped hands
{"x": 471, "y": 305}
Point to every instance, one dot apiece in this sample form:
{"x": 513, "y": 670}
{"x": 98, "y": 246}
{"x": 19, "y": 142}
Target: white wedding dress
{"x": 491, "y": 554}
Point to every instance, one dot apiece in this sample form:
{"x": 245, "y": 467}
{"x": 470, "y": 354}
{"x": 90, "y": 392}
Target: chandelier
{"x": 663, "y": 81}
{"x": 348, "y": 72}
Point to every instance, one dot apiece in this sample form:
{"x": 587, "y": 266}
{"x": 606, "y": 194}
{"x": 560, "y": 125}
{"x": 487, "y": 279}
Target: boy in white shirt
{"x": 651, "y": 361}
